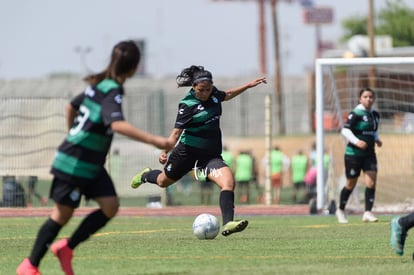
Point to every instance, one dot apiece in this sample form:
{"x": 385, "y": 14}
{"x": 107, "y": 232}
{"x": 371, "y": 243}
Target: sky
{"x": 39, "y": 38}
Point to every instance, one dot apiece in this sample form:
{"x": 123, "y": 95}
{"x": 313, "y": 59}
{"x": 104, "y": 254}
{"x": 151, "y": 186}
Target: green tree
{"x": 396, "y": 20}
{"x": 354, "y": 25}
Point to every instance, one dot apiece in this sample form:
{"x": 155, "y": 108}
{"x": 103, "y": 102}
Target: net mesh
{"x": 394, "y": 87}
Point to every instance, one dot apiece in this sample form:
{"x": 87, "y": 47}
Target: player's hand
{"x": 361, "y": 144}
{"x": 379, "y": 143}
{"x": 163, "y": 157}
{"x": 257, "y": 81}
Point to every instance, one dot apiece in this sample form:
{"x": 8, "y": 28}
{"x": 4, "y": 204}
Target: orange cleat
{"x": 26, "y": 268}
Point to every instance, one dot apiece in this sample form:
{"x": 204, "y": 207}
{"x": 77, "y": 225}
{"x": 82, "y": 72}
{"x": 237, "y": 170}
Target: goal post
{"x": 337, "y": 82}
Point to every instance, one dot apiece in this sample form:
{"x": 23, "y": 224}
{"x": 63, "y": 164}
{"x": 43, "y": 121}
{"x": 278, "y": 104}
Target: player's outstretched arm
{"x": 236, "y": 91}
{"x": 125, "y": 128}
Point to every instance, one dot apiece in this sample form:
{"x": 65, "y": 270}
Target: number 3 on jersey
{"x": 80, "y": 120}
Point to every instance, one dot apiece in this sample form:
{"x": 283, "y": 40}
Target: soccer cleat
{"x": 397, "y": 237}
{"x": 26, "y": 268}
{"x": 234, "y": 227}
{"x": 65, "y": 254}
{"x": 340, "y": 215}
{"x": 369, "y": 217}
{"x": 137, "y": 179}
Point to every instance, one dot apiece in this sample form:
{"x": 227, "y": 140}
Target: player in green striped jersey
{"x": 78, "y": 167}
{"x": 361, "y": 132}
{"x": 199, "y": 142}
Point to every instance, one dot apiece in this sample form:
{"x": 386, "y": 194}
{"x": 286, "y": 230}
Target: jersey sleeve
{"x": 112, "y": 107}
{"x": 184, "y": 116}
{"x": 350, "y": 121}
{"x": 77, "y": 101}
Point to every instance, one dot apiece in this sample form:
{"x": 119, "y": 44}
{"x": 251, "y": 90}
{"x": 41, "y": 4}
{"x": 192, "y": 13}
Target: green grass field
{"x": 270, "y": 245}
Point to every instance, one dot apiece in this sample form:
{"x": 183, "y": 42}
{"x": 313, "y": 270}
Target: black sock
{"x": 92, "y": 223}
{"x": 227, "y": 205}
{"x": 343, "y": 198}
{"x": 407, "y": 222}
{"x": 369, "y": 198}
{"x": 151, "y": 176}
{"x": 47, "y": 233}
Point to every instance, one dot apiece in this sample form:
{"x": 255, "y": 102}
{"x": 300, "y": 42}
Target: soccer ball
{"x": 206, "y": 226}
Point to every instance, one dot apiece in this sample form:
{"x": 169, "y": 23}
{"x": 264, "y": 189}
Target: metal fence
{"x": 32, "y": 122}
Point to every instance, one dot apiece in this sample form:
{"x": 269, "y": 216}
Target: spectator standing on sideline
{"x": 299, "y": 166}
{"x": 310, "y": 183}
{"x": 244, "y": 175}
{"x": 78, "y": 168}
{"x": 197, "y": 136}
{"x": 361, "y": 133}
{"x": 228, "y": 157}
{"x": 279, "y": 163}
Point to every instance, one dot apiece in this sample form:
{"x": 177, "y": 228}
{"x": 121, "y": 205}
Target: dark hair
{"x": 193, "y": 75}
{"x": 124, "y": 58}
{"x": 366, "y": 90}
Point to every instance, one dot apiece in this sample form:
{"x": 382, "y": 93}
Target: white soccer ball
{"x": 206, "y": 226}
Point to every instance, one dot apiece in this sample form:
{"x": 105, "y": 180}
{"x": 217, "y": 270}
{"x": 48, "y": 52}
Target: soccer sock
{"x": 47, "y": 233}
{"x": 227, "y": 205}
{"x": 343, "y": 198}
{"x": 369, "y": 198}
{"x": 407, "y": 222}
{"x": 92, "y": 223}
{"x": 151, "y": 176}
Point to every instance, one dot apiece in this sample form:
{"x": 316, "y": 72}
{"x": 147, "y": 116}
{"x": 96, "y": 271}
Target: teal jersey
{"x": 201, "y": 122}
{"x": 83, "y": 153}
{"x": 364, "y": 125}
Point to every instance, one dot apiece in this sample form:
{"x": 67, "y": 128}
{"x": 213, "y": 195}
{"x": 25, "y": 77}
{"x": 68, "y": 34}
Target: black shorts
{"x": 354, "y": 165}
{"x": 70, "y": 192}
{"x": 183, "y": 160}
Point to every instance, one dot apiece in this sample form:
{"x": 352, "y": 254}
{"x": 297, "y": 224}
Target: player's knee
{"x": 111, "y": 211}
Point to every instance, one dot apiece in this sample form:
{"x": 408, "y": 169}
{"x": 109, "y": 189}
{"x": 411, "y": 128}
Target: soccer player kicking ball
{"x": 197, "y": 135}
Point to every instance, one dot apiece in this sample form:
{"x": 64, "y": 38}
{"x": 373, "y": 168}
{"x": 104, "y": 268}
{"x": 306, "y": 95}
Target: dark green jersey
{"x": 201, "y": 122}
{"x": 364, "y": 125}
{"x": 83, "y": 153}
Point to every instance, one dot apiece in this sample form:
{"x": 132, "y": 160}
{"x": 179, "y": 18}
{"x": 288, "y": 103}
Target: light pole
{"x": 83, "y": 51}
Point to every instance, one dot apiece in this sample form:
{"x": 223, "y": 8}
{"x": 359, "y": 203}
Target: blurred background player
{"x": 298, "y": 168}
{"x": 361, "y": 133}
{"x": 228, "y": 157}
{"x": 244, "y": 175}
{"x": 279, "y": 163}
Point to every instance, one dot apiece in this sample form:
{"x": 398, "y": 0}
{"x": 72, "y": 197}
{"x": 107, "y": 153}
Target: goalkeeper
{"x": 361, "y": 131}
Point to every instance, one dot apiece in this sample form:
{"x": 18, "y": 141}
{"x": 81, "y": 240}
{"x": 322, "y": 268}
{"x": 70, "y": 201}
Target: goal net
{"x": 338, "y": 82}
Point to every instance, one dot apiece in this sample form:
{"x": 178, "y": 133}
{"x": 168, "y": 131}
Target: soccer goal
{"x": 337, "y": 85}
